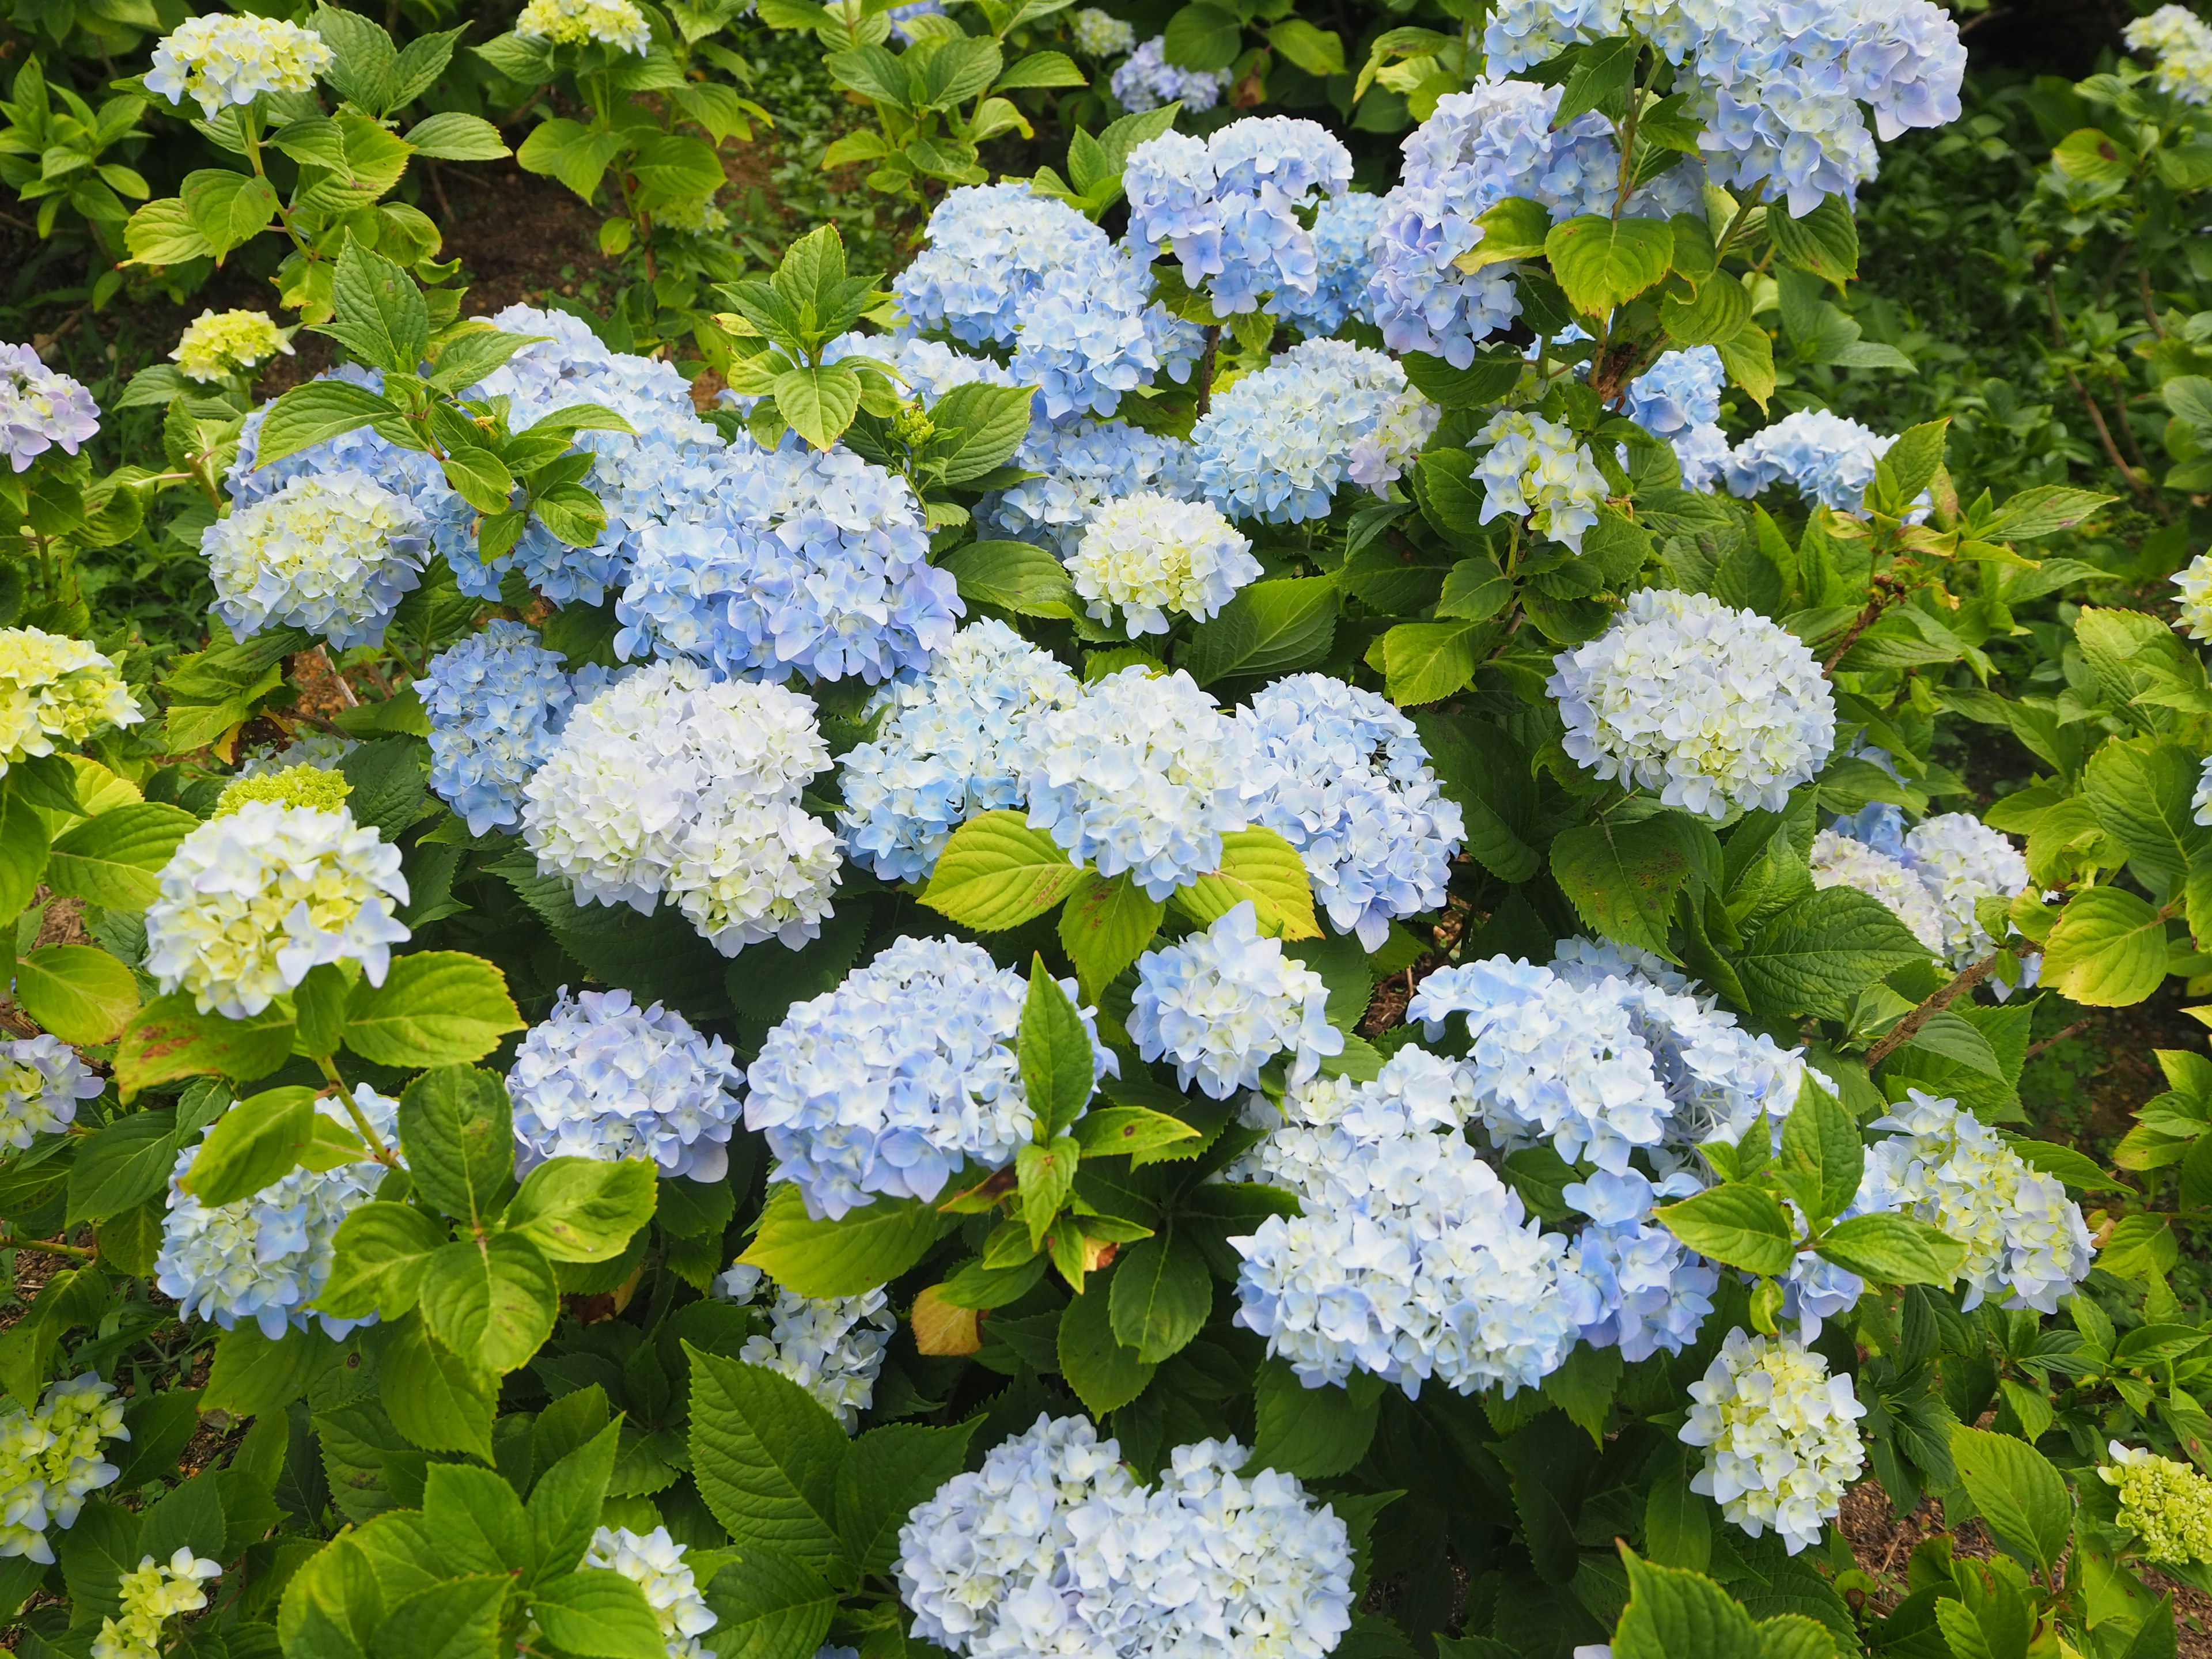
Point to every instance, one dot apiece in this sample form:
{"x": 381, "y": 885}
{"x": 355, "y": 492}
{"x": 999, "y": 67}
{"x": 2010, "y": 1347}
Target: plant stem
{"x": 1205, "y": 368}
{"x": 74, "y": 1252}
{"x": 362, "y": 1127}
{"x": 1902, "y": 1033}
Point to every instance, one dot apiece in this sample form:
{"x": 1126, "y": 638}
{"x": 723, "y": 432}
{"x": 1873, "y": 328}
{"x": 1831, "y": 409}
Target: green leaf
{"x": 979, "y": 426}
{"x": 1623, "y": 878}
{"x": 116, "y": 859}
{"x": 1313, "y": 1433}
{"x": 996, "y": 873}
{"x": 123, "y": 1165}
{"x": 451, "y": 135}
{"x": 2021, "y": 1497}
{"x": 1822, "y": 1156}
{"x": 1600, "y": 80}
{"x": 435, "y": 1008}
{"x": 1105, "y": 1374}
{"x": 1825, "y": 242}
{"x": 1268, "y": 627}
{"x": 2107, "y": 949}
{"x": 377, "y": 1259}
{"x": 571, "y": 152}
{"x": 311, "y": 414}
{"x": 227, "y": 208}
{"x": 1105, "y": 925}
{"x": 820, "y": 403}
{"x": 1427, "y": 662}
{"x": 1820, "y": 951}
{"x": 769, "y": 1605}
{"x": 578, "y": 1209}
{"x": 1893, "y": 1250}
{"x": 1475, "y": 590}
{"x": 1675, "y": 1614}
{"x": 1013, "y": 576}
{"x": 456, "y": 1128}
{"x": 565, "y": 1501}
{"x": 23, "y": 840}
{"x": 162, "y": 232}
{"x": 252, "y": 1376}
{"x": 1130, "y": 1131}
{"x": 1160, "y": 1295}
{"x": 77, "y": 992}
{"x": 1044, "y": 1175}
{"x": 869, "y": 1245}
{"x": 2143, "y": 794}
{"x": 600, "y": 1614}
{"x": 170, "y": 1040}
{"x": 1602, "y": 263}
{"x": 1053, "y": 1047}
{"x": 766, "y": 1455}
{"x": 1716, "y": 313}
{"x": 2092, "y": 157}
{"x": 1203, "y": 36}
{"x": 1735, "y": 1224}
{"x": 1316, "y": 50}
{"x": 888, "y": 1472}
{"x": 1678, "y": 1528}
{"x": 492, "y": 1302}
{"x": 474, "y": 1522}
{"x": 433, "y": 1396}
{"x": 1749, "y": 359}
{"x": 1258, "y": 867}
{"x": 381, "y": 316}
{"x": 257, "y": 1141}
{"x": 1514, "y": 228}
{"x": 457, "y": 1619}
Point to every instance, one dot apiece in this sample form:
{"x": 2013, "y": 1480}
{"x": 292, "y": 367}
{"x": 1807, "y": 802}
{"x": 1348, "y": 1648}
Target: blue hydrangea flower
{"x": 1637, "y": 1287}
{"x": 1091, "y": 333}
{"x": 1342, "y": 230}
{"x": 1824, "y": 456}
{"x": 601, "y": 1077}
{"x": 1680, "y": 391}
{"x": 989, "y": 248}
{"x": 1277, "y": 444}
{"x": 1146, "y": 80}
{"x": 1228, "y": 206}
{"x": 332, "y": 553}
{"x": 1143, "y": 774}
{"x": 1223, "y": 1003}
{"x": 1351, "y": 789}
{"x": 1081, "y": 467}
{"x": 497, "y": 702}
{"x": 890, "y": 1082}
{"x": 945, "y": 746}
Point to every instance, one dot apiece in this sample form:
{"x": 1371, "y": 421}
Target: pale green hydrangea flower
{"x": 154, "y": 1592}
{"x": 218, "y": 343}
{"x": 2166, "y": 1504}
{"x": 54, "y": 687}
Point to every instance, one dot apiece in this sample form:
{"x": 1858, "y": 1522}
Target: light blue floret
{"x": 497, "y": 702}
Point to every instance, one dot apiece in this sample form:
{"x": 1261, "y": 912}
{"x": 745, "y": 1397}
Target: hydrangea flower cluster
{"x": 1632, "y": 1284}
{"x": 497, "y": 702}
{"x": 574, "y": 22}
{"x": 1679, "y": 398}
{"x": 1963, "y": 861}
{"x": 266, "y": 1258}
{"x": 1411, "y": 1260}
{"x": 1823, "y": 456}
{"x": 945, "y": 749}
{"x": 1712, "y": 706}
{"x": 2201, "y": 802}
{"x": 217, "y": 344}
{"x": 318, "y": 788}
{"x": 1223, "y": 1003}
{"x": 1537, "y": 469}
{"x": 305, "y": 747}
{"x": 41, "y": 1080}
{"x": 40, "y": 409}
{"x": 1150, "y": 555}
{"x": 151, "y": 1594}
{"x": 654, "y": 1563}
{"x": 831, "y": 1347}
{"x": 1100, "y": 33}
{"x": 52, "y": 1458}
{"x": 667, "y": 784}
{"x": 817, "y": 562}
{"x": 888, "y": 1082}
{"x": 2182, "y": 43}
{"x": 1839, "y": 861}
{"x": 1780, "y": 1436}
{"x": 1276, "y": 444}
{"x": 1228, "y": 205}
{"x": 2168, "y": 1505}
{"x": 2194, "y": 599}
{"x": 52, "y": 686}
{"x": 1052, "y": 1548}
{"x": 1146, "y": 80}
{"x": 2025, "y": 1239}
{"x": 1351, "y": 789}
{"x": 1492, "y": 141}
{"x": 223, "y": 60}
{"x": 1081, "y": 467}
{"x": 1342, "y": 229}
{"x": 601, "y": 1077}
{"x": 249, "y": 902}
{"x": 333, "y": 553}
{"x": 1092, "y": 333}
{"x": 1140, "y": 774}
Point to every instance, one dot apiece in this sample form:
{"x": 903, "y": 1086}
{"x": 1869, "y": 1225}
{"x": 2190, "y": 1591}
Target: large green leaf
{"x": 766, "y": 1455}
{"x": 867, "y": 1248}
{"x": 996, "y": 873}
{"x": 2107, "y": 949}
{"x": 1602, "y": 263}
{"x": 435, "y": 1008}
{"x": 1820, "y": 951}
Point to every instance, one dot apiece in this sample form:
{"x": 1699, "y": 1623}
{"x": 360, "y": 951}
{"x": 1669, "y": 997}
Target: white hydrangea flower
{"x": 1143, "y": 774}
{"x": 654, "y": 1563}
{"x": 1963, "y": 861}
{"x": 153, "y": 1593}
{"x": 2194, "y": 580}
{"x": 1100, "y": 35}
{"x": 667, "y": 784}
{"x": 1535, "y": 470}
{"x": 52, "y": 1458}
{"x": 1839, "y": 861}
{"x": 1051, "y": 1547}
{"x": 1224, "y": 1002}
{"x": 2201, "y": 802}
{"x": 266, "y": 1258}
{"x": 221, "y": 60}
{"x": 574, "y": 22}
{"x": 41, "y": 1080}
{"x": 52, "y": 686}
{"x": 219, "y": 344}
{"x": 831, "y": 1347}
{"x": 601, "y": 1078}
{"x": 1712, "y": 706}
{"x": 1781, "y": 1438}
{"x": 332, "y": 552}
{"x": 2182, "y": 43}
{"x": 251, "y": 901}
{"x": 2025, "y": 1239}
{"x": 1152, "y": 554}
{"x": 890, "y": 1082}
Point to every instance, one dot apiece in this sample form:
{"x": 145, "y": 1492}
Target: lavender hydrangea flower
{"x": 40, "y": 409}
{"x": 1146, "y": 80}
